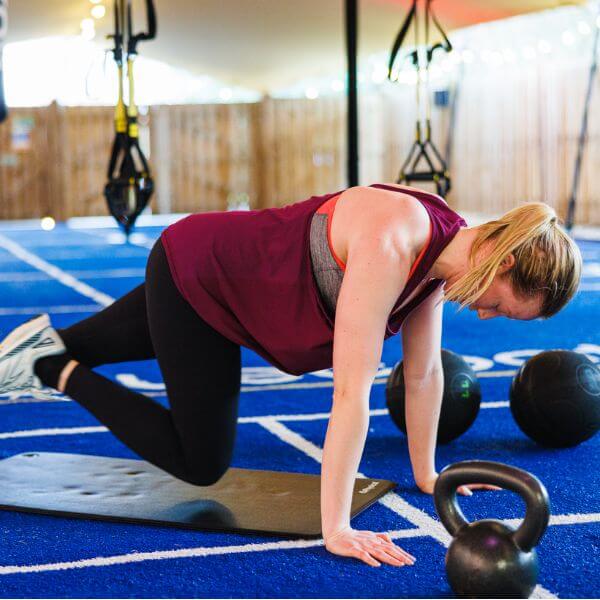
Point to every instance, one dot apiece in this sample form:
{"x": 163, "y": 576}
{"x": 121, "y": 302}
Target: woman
{"x": 276, "y": 281}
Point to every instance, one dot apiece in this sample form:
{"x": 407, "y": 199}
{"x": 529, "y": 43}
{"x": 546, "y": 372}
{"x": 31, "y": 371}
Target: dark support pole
{"x": 583, "y": 132}
{"x": 3, "y": 30}
{"x": 351, "y": 46}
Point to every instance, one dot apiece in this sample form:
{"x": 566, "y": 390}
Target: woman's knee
{"x": 205, "y": 475}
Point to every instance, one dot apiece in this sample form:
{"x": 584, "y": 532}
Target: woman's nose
{"x": 484, "y": 314}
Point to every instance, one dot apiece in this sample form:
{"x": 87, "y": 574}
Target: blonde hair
{"x": 547, "y": 260}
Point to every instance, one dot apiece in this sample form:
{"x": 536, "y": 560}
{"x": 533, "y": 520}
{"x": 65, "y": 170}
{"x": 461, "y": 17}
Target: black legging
{"x": 201, "y": 369}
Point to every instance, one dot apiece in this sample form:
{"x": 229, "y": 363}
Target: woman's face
{"x": 499, "y": 300}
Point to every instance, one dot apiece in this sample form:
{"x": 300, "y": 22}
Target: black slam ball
{"x": 460, "y": 403}
{"x": 555, "y": 398}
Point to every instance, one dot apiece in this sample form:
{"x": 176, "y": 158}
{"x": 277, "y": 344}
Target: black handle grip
{"x": 529, "y": 487}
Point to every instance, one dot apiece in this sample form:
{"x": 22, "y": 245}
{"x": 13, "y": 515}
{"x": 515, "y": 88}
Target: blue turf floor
{"x": 72, "y": 273}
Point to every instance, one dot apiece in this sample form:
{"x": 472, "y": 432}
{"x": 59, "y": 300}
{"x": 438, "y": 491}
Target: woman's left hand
{"x": 428, "y": 484}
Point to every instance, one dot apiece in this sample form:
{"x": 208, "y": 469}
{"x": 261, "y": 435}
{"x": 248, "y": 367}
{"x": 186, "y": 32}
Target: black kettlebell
{"x": 488, "y": 559}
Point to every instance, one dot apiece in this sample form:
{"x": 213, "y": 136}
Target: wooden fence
{"x": 53, "y": 162}
{"x": 514, "y": 139}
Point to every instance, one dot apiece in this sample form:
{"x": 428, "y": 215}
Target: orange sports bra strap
{"x": 328, "y": 208}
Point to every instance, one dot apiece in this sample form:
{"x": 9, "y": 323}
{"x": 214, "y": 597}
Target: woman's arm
{"x": 424, "y": 385}
{"x": 376, "y": 272}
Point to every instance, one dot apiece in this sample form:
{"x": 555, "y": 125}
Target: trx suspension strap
{"x": 3, "y": 30}
{"x": 583, "y": 132}
{"x": 130, "y": 183}
{"x": 424, "y": 161}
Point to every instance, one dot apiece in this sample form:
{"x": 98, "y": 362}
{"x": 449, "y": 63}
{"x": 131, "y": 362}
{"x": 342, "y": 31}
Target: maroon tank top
{"x": 248, "y": 274}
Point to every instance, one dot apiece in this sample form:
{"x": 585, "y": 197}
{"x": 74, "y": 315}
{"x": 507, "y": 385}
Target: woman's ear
{"x": 507, "y": 263}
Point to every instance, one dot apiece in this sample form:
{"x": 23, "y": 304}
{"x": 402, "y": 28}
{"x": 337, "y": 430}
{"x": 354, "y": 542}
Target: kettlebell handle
{"x": 529, "y": 487}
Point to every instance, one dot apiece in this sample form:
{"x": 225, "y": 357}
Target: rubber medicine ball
{"x": 460, "y": 403}
{"x": 555, "y": 398}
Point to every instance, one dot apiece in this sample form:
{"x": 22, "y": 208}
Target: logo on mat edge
{"x": 370, "y": 487}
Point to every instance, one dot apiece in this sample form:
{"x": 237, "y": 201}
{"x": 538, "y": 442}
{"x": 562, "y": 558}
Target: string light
{"x": 88, "y": 30}
{"x": 47, "y": 223}
{"x": 496, "y": 58}
{"x": 467, "y": 56}
{"x": 98, "y": 11}
{"x": 568, "y": 39}
{"x": 376, "y": 72}
{"x": 509, "y": 55}
{"x": 584, "y": 28}
{"x": 486, "y": 56}
{"x": 544, "y": 47}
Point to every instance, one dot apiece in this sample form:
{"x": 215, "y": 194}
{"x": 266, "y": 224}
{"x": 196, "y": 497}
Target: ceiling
{"x": 259, "y": 43}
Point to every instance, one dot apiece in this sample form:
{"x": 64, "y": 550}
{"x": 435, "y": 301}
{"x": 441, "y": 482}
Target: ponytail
{"x": 547, "y": 260}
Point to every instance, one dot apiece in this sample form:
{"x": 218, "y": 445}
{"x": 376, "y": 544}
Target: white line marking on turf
{"x": 492, "y": 374}
{"x": 157, "y": 389}
{"x": 571, "y": 519}
{"x": 312, "y": 385}
{"x": 499, "y": 404}
{"x": 51, "y": 431}
{"x": 329, "y": 384}
{"x": 20, "y": 277}
{"x": 136, "y": 239}
{"x": 62, "y": 309}
{"x": 144, "y": 220}
{"x": 376, "y": 412}
{"x": 294, "y": 439}
{"x": 58, "y": 274}
{"x": 574, "y": 519}
{"x": 32, "y": 400}
{"x": 542, "y": 592}
{"x": 136, "y": 557}
{"x": 56, "y": 397}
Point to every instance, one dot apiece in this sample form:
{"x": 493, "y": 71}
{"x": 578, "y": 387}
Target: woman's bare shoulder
{"x": 407, "y": 188}
{"x": 402, "y": 207}
{"x": 401, "y": 214}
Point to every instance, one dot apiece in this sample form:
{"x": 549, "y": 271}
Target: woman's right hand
{"x": 372, "y": 548}
{"x": 428, "y": 485}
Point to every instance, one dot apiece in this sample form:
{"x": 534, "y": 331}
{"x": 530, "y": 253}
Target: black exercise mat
{"x": 134, "y": 491}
